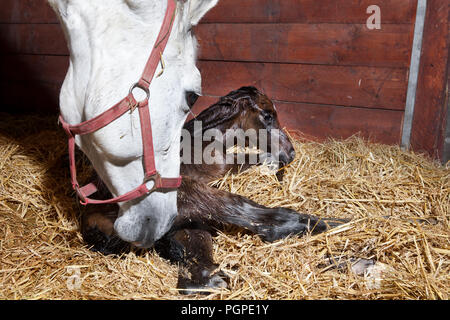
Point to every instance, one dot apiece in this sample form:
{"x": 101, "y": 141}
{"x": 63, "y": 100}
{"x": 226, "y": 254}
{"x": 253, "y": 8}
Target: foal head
{"x": 248, "y": 118}
{"x": 259, "y": 113}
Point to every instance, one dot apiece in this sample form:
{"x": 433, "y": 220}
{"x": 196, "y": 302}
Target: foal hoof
{"x": 334, "y": 222}
{"x": 286, "y": 222}
{"x": 205, "y": 285}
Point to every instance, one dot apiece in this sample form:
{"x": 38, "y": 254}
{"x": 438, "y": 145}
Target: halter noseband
{"x": 110, "y": 115}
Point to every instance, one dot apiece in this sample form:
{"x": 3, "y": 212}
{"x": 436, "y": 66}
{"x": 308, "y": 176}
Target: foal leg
{"x": 97, "y": 229}
{"x": 192, "y": 249}
{"x": 204, "y": 205}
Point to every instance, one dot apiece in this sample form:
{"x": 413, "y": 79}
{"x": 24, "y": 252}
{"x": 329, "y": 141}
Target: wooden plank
{"x": 448, "y": 73}
{"x": 50, "y": 69}
{"x": 350, "y": 86}
{"x": 429, "y": 120}
{"x": 323, "y": 121}
{"x": 309, "y": 11}
{"x": 286, "y": 43}
{"x": 23, "y": 96}
{"x": 46, "y": 39}
{"x": 251, "y": 11}
{"x": 383, "y": 88}
{"x": 383, "y": 126}
{"x": 334, "y": 44}
{"x": 318, "y": 121}
{"x": 27, "y": 11}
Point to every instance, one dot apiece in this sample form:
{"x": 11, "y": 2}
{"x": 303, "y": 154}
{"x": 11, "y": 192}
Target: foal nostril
{"x": 287, "y": 157}
{"x": 283, "y": 160}
{"x": 292, "y": 154}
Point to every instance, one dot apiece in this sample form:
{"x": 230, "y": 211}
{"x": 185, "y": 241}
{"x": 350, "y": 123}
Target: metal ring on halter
{"x": 145, "y": 89}
{"x": 155, "y": 178}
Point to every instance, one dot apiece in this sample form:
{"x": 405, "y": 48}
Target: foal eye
{"x": 267, "y": 117}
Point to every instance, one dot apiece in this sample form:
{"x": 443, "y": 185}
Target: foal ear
{"x": 198, "y": 8}
{"x": 242, "y": 103}
{"x": 245, "y": 103}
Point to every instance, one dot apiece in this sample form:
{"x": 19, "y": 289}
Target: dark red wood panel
{"x": 429, "y": 120}
{"x": 350, "y": 86}
{"x": 26, "y": 11}
{"x": 329, "y": 75}
{"x": 286, "y": 43}
{"x": 46, "y": 39}
{"x": 383, "y": 88}
{"x": 251, "y": 11}
{"x": 29, "y": 96}
{"x": 50, "y": 69}
{"x": 323, "y": 121}
{"x": 309, "y": 11}
{"x": 335, "y": 44}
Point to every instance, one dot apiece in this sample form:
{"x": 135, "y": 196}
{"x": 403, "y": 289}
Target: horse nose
{"x": 135, "y": 230}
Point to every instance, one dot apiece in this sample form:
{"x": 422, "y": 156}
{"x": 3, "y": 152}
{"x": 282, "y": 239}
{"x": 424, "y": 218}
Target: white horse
{"x": 110, "y": 42}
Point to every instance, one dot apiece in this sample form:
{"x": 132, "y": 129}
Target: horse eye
{"x": 191, "y": 98}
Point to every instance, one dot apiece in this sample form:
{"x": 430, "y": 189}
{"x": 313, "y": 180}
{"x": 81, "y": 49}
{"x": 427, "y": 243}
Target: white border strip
{"x": 414, "y": 73}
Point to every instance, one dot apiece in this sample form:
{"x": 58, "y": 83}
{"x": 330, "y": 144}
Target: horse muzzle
{"x": 142, "y": 226}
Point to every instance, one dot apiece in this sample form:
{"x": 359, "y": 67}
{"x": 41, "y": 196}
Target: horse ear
{"x": 198, "y": 8}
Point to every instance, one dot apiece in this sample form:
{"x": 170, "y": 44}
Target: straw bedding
{"x": 399, "y": 203}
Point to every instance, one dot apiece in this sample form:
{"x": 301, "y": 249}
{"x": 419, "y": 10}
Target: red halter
{"x": 129, "y": 102}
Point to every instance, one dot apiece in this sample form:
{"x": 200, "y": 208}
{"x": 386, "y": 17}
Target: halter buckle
{"x": 80, "y": 195}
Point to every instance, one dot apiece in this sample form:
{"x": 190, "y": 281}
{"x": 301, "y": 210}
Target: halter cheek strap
{"x": 110, "y": 115}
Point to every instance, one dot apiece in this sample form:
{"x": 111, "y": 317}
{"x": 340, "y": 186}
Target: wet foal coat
{"x": 203, "y": 209}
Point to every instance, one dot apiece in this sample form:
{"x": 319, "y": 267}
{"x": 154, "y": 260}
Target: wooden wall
{"x": 327, "y": 72}
{"x": 34, "y": 57}
{"x": 430, "y": 114}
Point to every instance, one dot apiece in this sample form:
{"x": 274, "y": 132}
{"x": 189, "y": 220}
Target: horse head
{"x": 110, "y": 42}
